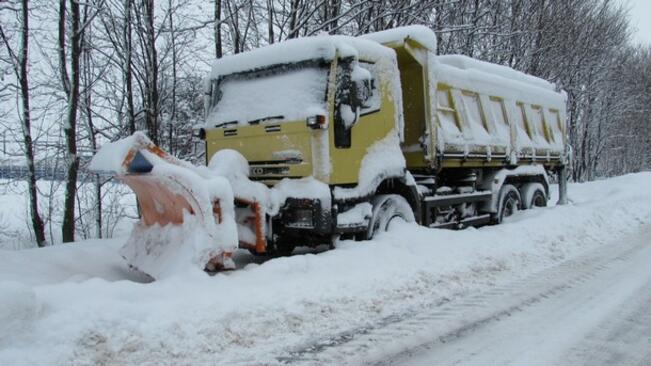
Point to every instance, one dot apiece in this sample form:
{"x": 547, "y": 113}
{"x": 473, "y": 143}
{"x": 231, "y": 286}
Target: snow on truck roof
{"x": 472, "y": 74}
{"x": 455, "y": 70}
{"x": 497, "y": 80}
{"x": 468, "y": 63}
{"x": 419, "y": 33}
{"x": 300, "y": 49}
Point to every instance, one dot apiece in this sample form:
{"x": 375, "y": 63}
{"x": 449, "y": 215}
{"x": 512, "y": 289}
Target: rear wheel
{"x": 536, "y": 197}
{"x": 510, "y": 202}
{"x": 386, "y": 209}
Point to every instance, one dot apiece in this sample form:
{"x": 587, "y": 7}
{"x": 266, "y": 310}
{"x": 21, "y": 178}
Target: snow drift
{"x": 78, "y": 304}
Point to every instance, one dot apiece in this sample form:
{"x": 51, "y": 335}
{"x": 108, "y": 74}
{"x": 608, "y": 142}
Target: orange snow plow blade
{"x": 187, "y": 212}
{"x": 158, "y": 205}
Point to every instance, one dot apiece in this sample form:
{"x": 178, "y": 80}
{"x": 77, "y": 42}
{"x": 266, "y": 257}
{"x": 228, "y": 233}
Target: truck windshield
{"x": 280, "y": 93}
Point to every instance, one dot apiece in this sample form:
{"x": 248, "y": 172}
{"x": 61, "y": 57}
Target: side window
{"x": 374, "y": 100}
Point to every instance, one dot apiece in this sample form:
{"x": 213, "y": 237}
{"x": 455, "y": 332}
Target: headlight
{"x": 301, "y": 217}
{"x": 318, "y": 121}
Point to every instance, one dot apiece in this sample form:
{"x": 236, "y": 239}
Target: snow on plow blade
{"x": 187, "y": 212}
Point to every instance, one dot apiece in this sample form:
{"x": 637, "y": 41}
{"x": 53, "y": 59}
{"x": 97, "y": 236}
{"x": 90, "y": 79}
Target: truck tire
{"x": 510, "y": 202}
{"x": 386, "y": 208}
{"x": 533, "y": 195}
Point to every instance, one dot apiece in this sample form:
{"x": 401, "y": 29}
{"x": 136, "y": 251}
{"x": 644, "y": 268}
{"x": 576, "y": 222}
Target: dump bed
{"x": 460, "y": 111}
{"x": 484, "y": 109}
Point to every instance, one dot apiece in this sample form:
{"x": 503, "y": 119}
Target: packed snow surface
{"x": 79, "y": 304}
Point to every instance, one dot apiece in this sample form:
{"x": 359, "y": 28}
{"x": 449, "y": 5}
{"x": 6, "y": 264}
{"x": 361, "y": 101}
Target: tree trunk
{"x": 172, "y": 117}
{"x": 270, "y": 21}
{"x": 128, "y": 76}
{"x": 151, "y": 106}
{"x": 70, "y": 127}
{"x": 218, "y": 29}
{"x": 90, "y": 125}
{"x": 37, "y": 222}
{"x": 293, "y": 19}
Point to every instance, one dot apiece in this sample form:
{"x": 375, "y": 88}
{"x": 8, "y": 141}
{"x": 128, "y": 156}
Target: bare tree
{"x": 20, "y": 61}
{"x": 219, "y": 52}
{"x": 71, "y": 87}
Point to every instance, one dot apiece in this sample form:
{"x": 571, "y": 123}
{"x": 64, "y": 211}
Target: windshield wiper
{"x": 224, "y": 124}
{"x": 257, "y": 121}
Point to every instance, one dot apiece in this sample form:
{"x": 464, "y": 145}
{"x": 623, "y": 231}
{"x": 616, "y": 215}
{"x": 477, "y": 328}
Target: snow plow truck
{"x": 327, "y": 137}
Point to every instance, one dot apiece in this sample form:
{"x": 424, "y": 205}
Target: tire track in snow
{"x": 393, "y": 338}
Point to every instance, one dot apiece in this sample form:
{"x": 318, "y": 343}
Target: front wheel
{"x": 386, "y": 208}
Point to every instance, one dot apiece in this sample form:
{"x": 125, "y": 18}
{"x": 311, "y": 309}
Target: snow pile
{"x": 18, "y": 308}
{"x": 91, "y": 310}
{"x": 356, "y": 216}
{"x": 231, "y": 165}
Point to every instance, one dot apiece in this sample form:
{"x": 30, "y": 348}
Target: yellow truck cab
{"x": 349, "y": 133}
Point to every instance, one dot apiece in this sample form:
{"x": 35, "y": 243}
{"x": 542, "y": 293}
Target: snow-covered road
{"x": 79, "y": 304}
{"x": 592, "y": 311}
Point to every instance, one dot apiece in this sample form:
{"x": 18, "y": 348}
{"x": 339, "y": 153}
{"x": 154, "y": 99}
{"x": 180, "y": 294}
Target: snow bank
{"x": 18, "y": 308}
{"x": 260, "y": 312}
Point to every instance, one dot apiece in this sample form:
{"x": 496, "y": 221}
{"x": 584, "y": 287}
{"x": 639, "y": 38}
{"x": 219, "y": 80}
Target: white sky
{"x": 641, "y": 19}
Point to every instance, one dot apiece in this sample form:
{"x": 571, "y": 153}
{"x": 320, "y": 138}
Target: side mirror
{"x": 349, "y": 114}
{"x": 361, "y": 91}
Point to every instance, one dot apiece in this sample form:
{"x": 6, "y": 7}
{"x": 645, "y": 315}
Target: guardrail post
{"x": 562, "y": 185}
